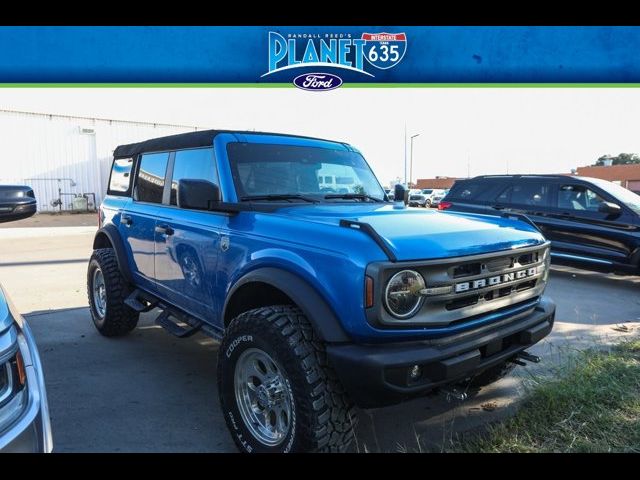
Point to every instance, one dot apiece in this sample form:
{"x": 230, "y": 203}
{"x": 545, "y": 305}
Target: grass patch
{"x": 593, "y": 405}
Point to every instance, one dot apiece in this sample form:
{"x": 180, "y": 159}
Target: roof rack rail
{"x": 525, "y": 175}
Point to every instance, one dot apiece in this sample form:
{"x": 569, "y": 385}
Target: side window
{"x": 150, "y": 182}
{"x": 120, "y": 176}
{"x": 533, "y": 194}
{"x": 466, "y": 190}
{"x": 578, "y": 197}
{"x": 505, "y": 196}
{"x": 196, "y": 164}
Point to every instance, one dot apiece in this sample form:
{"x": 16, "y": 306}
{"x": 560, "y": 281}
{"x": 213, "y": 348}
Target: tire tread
{"x": 119, "y": 318}
{"x": 333, "y": 414}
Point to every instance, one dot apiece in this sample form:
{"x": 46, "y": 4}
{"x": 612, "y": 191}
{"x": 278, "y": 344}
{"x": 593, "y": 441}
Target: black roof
{"x": 202, "y": 138}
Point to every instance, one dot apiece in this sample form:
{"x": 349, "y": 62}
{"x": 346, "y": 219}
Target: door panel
{"x": 136, "y": 225}
{"x": 187, "y": 242}
{"x": 138, "y": 219}
{"x": 574, "y": 225}
{"x": 186, "y": 254}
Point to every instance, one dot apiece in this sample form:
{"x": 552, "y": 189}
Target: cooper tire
{"x": 110, "y": 315}
{"x": 322, "y": 417}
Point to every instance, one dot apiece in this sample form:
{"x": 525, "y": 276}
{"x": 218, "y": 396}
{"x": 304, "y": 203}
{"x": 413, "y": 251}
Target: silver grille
{"x": 466, "y": 287}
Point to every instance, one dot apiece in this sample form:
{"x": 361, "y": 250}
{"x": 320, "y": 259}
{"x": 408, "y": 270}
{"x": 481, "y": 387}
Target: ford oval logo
{"x": 317, "y": 82}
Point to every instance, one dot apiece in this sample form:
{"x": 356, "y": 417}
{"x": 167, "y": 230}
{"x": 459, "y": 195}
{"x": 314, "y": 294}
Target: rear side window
{"x": 196, "y": 164}
{"x": 466, "y": 190}
{"x": 120, "y": 176}
{"x": 150, "y": 182}
{"x": 528, "y": 193}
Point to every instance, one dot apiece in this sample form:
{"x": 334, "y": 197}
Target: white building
{"x": 71, "y": 155}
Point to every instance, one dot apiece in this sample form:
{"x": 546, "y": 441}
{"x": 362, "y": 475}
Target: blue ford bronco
{"x": 325, "y": 296}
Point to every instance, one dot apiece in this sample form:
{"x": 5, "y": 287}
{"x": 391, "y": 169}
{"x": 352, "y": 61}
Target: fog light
{"x": 415, "y": 372}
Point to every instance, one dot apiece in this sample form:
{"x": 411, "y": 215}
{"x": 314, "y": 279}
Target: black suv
{"x": 591, "y": 223}
{"x": 16, "y": 203}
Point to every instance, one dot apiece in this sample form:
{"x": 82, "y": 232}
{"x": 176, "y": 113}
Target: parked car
{"x": 435, "y": 198}
{"x": 16, "y": 202}
{"x": 417, "y": 200}
{"x": 24, "y": 412}
{"x": 591, "y": 223}
{"x": 322, "y": 301}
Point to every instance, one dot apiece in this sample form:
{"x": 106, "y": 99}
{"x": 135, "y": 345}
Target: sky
{"x": 462, "y": 131}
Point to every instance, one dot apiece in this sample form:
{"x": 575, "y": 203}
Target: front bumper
{"x": 378, "y": 375}
{"x": 24, "y": 210}
{"x": 31, "y": 431}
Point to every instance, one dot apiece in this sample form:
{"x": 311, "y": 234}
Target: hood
{"x": 427, "y": 234}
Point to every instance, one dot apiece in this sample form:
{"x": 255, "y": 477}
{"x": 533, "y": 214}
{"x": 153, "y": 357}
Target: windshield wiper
{"x": 278, "y": 196}
{"x": 353, "y": 196}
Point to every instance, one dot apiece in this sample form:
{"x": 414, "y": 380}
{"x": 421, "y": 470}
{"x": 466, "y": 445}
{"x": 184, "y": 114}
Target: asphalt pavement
{"x": 151, "y": 392}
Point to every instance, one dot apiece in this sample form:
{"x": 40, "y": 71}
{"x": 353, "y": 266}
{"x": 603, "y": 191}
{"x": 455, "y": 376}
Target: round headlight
{"x": 402, "y": 295}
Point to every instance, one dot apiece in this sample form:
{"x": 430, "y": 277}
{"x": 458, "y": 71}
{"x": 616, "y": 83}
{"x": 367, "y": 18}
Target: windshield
{"x": 279, "y": 171}
{"x": 623, "y": 195}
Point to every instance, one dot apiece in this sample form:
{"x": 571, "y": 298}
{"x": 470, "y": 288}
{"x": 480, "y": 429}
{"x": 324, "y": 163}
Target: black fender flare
{"x": 315, "y": 308}
{"x": 111, "y": 232}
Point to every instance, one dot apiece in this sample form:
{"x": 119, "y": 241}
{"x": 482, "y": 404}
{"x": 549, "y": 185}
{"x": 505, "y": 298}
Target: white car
{"x": 436, "y": 197}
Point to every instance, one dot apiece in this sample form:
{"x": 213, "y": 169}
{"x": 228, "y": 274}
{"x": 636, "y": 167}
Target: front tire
{"x": 107, "y": 289}
{"x": 277, "y": 391}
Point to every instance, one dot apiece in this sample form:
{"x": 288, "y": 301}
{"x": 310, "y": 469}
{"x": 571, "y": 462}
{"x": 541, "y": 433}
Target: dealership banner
{"x": 320, "y": 58}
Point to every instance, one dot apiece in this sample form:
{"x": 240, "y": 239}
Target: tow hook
{"x": 453, "y": 394}
{"x": 524, "y": 356}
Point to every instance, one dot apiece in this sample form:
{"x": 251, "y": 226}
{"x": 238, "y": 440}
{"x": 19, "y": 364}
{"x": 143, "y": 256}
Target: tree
{"x": 620, "y": 159}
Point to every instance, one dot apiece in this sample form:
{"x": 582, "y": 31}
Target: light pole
{"x": 405, "y": 154}
{"x": 411, "y": 161}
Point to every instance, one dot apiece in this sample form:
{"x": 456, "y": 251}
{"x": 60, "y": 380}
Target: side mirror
{"x": 399, "y": 193}
{"x": 609, "y": 208}
{"x": 198, "y": 194}
{"x": 16, "y": 203}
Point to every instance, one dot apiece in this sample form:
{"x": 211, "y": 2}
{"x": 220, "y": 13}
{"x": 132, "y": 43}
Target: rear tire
{"x": 107, "y": 290}
{"x": 275, "y": 353}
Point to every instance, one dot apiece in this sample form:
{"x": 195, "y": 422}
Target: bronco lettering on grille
{"x": 497, "y": 279}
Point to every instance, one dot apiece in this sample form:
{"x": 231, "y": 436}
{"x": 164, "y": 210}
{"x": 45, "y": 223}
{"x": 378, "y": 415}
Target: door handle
{"x": 126, "y": 220}
{"x": 164, "y": 230}
{"x": 498, "y": 207}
